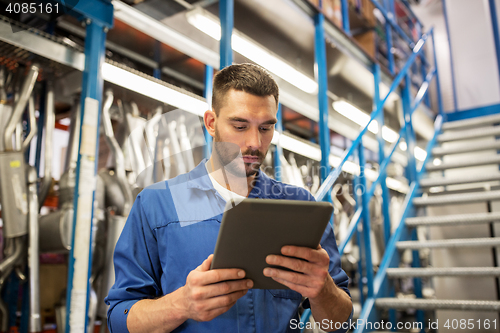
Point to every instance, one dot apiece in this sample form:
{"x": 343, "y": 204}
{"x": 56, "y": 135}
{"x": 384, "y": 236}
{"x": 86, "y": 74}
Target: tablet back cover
{"x": 256, "y": 228}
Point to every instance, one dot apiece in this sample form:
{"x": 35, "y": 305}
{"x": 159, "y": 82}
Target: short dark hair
{"x": 249, "y": 78}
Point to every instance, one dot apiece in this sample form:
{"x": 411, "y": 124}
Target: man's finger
{"x": 224, "y": 300}
{"x": 311, "y": 255}
{"x": 218, "y": 275}
{"x": 294, "y": 264}
{"x": 205, "y": 266}
{"x": 228, "y": 287}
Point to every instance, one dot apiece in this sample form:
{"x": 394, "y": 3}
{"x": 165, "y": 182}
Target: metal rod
{"x": 32, "y": 123}
{"x": 117, "y": 153}
{"x": 81, "y": 239}
{"x": 35, "y": 322}
{"x": 409, "y": 133}
{"x": 438, "y": 85}
{"x": 322, "y": 72}
{"x": 50, "y": 121}
{"x": 345, "y": 16}
{"x": 226, "y": 14}
{"x": 388, "y": 37}
{"x": 381, "y": 156}
{"x": 365, "y": 202}
{"x": 29, "y": 83}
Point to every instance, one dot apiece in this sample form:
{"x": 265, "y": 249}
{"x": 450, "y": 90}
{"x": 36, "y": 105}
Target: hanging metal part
{"x": 50, "y": 120}
{"x": 115, "y": 227}
{"x": 32, "y": 123}
{"x": 17, "y": 113}
{"x": 117, "y": 153}
{"x": 13, "y": 194}
{"x": 35, "y": 323}
{"x": 55, "y": 230}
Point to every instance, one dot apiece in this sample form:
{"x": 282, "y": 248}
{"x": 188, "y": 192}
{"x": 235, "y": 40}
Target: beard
{"x": 231, "y": 158}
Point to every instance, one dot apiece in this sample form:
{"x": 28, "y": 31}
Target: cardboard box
{"x": 333, "y": 11}
{"x": 367, "y": 8}
{"x": 367, "y": 41}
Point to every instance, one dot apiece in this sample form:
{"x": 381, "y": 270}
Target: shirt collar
{"x": 198, "y": 178}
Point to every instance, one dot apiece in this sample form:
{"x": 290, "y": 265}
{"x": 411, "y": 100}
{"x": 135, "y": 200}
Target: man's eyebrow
{"x": 243, "y": 120}
{"x": 238, "y": 119}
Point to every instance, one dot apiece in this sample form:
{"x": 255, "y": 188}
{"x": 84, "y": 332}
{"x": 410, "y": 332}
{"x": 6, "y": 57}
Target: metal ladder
{"x": 453, "y": 132}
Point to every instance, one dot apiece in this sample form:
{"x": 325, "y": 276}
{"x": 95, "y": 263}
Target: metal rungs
{"x": 494, "y": 159}
{"x": 442, "y": 271}
{"x": 449, "y": 243}
{"x": 434, "y": 304}
{"x": 466, "y": 148}
{"x": 450, "y": 199}
{"x": 444, "y": 181}
{"x": 453, "y": 219}
{"x": 469, "y": 134}
{"x": 474, "y": 122}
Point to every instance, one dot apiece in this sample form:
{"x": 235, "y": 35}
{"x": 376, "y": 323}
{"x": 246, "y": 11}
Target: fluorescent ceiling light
{"x": 403, "y": 146}
{"x": 359, "y": 117}
{"x": 251, "y": 50}
{"x": 162, "y": 93}
{"x": 313, "y": 152}
{"x": 420, "y": 154}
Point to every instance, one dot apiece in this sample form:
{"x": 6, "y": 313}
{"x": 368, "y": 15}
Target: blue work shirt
{"x": 172, "y": 228}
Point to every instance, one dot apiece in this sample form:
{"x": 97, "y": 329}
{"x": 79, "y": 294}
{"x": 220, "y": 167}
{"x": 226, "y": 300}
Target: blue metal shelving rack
{"x": 98, "y": 18}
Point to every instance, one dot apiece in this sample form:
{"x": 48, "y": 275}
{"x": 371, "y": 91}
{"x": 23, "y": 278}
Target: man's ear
{"x": 209, "y": 120}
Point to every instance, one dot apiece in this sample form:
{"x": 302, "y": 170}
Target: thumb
{"x": 205, "y": 266}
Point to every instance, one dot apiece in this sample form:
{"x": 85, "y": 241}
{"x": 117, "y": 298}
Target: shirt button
{"x": 126, "y": 311}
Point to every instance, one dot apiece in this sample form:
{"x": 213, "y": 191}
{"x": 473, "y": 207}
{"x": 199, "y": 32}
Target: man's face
{"x": 245, "y": 124}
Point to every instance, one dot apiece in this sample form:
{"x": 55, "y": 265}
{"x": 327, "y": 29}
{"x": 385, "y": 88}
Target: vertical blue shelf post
{"x": 98, "y": 18}
{"x": 345, "y": 16}
{"x": 388, "y": 36}
{"x": 226, "y": 13}
{"x": 207, "y": 93}
{"x": 381, "y": 155}
{"x": 324, "y": 130}
{"x": 365, "y": 214}
{"x": 278, "y": 152}
{"x": 411, "y": 168}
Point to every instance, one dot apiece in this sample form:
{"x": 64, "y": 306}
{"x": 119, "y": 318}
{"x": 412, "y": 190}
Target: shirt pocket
{"x": 285, "y": 293}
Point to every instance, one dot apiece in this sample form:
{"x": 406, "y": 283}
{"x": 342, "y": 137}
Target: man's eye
{"x": 239, "y": 127}
{"x": 265, "y": 129}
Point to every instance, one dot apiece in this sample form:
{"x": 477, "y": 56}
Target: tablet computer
{"x": 255, "y": 228}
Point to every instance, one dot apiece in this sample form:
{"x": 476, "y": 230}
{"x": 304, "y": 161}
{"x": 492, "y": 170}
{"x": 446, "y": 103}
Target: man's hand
{"x": 312, "y": 276}
{"x": 209, "y": 293}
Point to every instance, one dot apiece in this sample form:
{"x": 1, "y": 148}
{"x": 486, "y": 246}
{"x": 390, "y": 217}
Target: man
{"x": 162, "y": 259}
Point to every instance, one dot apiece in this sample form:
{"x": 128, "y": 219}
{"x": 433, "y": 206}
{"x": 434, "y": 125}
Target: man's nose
{"x": 253, "y": 139}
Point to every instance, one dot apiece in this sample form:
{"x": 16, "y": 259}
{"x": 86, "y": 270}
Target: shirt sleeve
{"x": 137, "y": 268}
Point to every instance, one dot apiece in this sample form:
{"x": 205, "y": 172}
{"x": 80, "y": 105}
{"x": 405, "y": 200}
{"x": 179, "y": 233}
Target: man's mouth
{"x": 250, "y": 159}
